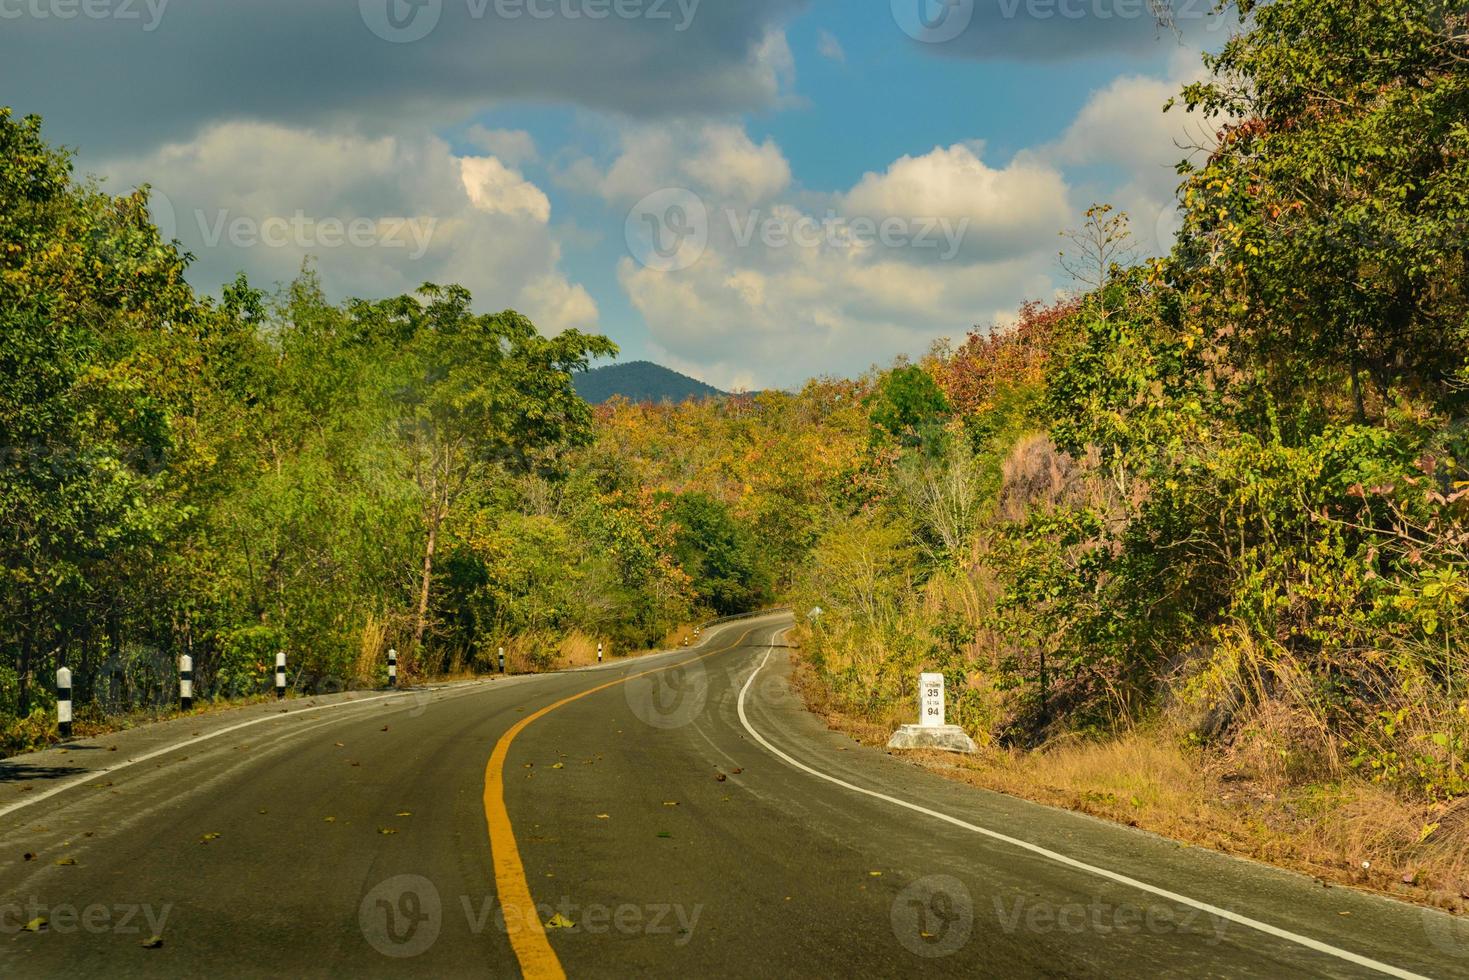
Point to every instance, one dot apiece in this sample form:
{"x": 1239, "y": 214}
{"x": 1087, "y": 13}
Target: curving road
{"x": 679, "y": 815}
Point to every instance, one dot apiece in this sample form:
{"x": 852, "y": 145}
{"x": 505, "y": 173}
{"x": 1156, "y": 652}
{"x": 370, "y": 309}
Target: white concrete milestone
{"x": 932, "y": 732}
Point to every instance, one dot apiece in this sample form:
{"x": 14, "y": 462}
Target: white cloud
{"x": 716, "y": 159}
{"x": 496, "y": 189}
{"x": 1123, "y": 129}
{"x": 830, "y": 48}
{"x": 480, "y": 223}
{"x": 787, "y": 288}
{"x": 1010, "y": 210}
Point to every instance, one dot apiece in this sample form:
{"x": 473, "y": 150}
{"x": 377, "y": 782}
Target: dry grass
{"x": 1416, "y": 851}
{"x": 579, "y": 650}
{"x": 675, "y": 637}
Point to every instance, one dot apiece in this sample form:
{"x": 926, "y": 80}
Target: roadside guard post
{"x": 63, "y": 702}
{"x": 280, "y": 676}
{"x": 392, "y": 668}
{"x": 932, "y": 730}
{"x": 186, "y": 682}
{"x": 502, "y": 660}
{"x": 599, "y": 653}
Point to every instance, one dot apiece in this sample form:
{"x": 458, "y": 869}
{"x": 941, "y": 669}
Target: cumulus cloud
{"x": 814, "y": 283}
{"x": 1010, "y": 210}
{"x": 377, "y": 216}
{"x": 718, "y": 159}
{"x": 1123, "y": 129}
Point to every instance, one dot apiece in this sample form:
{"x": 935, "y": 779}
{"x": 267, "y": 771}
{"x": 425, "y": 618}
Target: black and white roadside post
{"x": 186, "y": 682}
{"x": 280, "y": 675}
{"x": 63, "y": 702}
{"x": 392, "y": 668}
{"x": 502, "y": 660}
{"x": 599, "y": 653}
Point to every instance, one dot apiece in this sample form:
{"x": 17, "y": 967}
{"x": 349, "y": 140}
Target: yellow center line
{"x": 538, "y": 960}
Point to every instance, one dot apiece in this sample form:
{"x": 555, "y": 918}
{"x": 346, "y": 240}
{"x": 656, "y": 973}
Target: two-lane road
{"x": 678, "y": 815}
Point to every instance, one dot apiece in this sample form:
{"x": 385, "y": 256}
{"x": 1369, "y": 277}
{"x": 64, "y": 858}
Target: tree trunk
{"x": 23, "y": 676}
{"x": 428, "y": 574}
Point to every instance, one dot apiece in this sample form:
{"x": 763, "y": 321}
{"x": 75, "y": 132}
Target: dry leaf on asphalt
{"x": 152, "y": 942}
{"x": 37, "y": 925}
{"x": 559, "y": 921}
{"x": 208, "y": 837}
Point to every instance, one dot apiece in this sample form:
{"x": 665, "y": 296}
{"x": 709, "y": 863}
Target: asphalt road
{"x": 411, "y": 835}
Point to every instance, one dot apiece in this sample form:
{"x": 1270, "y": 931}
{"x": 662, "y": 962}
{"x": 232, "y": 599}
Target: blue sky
{"x": 752, "y": 192}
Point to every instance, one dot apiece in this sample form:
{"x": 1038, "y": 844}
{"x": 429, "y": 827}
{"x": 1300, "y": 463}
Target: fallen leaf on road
{"x": 385, "y": 728}
{"x": 331, "y": 819}
{"x": 558, "y": 766}
{"x": 603, "y": 816}
{"x": 670, "y": 803}
{"x": 340, "y": 745}
{"x": 387, "y": 830}
{"x": 875, "y": 874}
{"x": 720, "y": 777}
{"x": 36, "y": 925}
{"x": 559, "y": 921}
{"x": 66, "y": 862}
{"x": 208, "y": 837}
{"x": 152, "y": 942}
{"x": 664, "y": 833}
{"x": 406, "y": 813}
{"x": 738, "y": 771}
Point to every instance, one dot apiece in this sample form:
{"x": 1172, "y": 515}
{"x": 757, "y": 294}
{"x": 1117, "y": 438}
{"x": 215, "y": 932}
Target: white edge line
{"x": 1069, "y": 862}
{"x": 164, "y": 750}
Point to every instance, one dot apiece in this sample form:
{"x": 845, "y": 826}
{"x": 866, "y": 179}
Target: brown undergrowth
{"x": 1343, "y": 832}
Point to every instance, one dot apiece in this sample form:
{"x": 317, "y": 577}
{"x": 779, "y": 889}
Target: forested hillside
{"x": 1216, "y": 497}
{"x": 640, "y": 381}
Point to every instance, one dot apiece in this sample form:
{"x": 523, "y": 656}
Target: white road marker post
{"x": 186, "y": 682}
{"x": 599, "y": 653}
{"x": 63, "y": 702}
{"x": 280, "y": 675}
{"x": 392, "y": 668}
{"x": 502, "y": 660}
{"x": 932, "y": 730}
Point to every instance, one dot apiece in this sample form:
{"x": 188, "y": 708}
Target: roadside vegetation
{"x": 1190, "y": 544}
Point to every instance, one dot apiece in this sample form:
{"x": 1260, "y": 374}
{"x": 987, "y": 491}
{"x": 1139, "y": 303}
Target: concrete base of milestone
{"x": 947, "y": 738}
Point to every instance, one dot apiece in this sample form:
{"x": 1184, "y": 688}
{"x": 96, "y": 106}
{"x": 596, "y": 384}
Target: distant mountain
{"x": 641, "y": 381}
